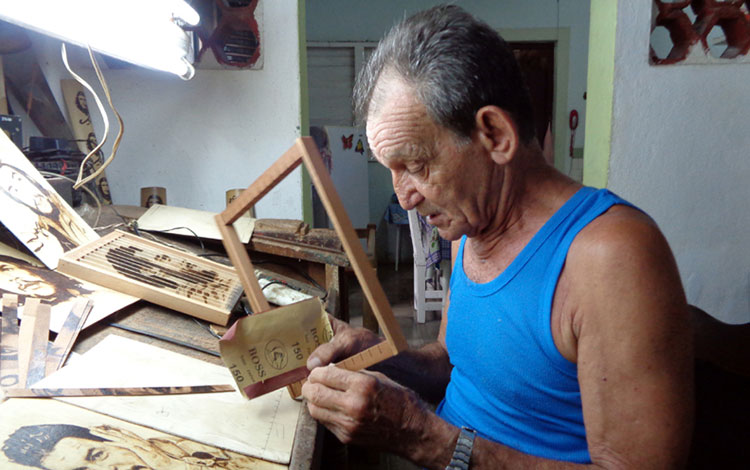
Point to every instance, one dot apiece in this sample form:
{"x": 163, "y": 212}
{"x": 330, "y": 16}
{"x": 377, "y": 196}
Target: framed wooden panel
{"x": 157, "y": 273}
{"x": 304, "y": 151}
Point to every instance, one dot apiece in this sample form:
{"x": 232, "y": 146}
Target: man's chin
{"x": 448, "y": 234}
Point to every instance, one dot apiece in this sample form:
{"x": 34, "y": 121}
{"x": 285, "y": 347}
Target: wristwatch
{"x": 462, "y": 454}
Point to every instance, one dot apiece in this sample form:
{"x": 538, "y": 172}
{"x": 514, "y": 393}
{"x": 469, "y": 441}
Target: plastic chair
{"x": 426, "y": 298}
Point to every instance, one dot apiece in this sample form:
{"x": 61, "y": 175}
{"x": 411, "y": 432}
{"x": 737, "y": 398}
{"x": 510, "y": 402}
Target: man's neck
{"x": 530, "y": 192}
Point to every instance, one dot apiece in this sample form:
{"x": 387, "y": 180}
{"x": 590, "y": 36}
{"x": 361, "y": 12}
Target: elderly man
{"x": 566, "y": 341}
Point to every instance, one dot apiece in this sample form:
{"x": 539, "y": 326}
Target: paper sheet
{"x": 160, "y": 218}
{"x": 261, "y": 428}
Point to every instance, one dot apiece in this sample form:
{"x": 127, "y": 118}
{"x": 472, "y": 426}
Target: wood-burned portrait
{"x": 49, "y": 435}
{"x": 33, "y": 210}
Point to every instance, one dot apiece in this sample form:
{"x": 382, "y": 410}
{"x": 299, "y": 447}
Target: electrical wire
{"x": 203, "y": 248}
{"x": 81, "y": 180}
{"x": 296, "y": 270}
{"x": 99, "y": 105}
{"x": 276, "y": 282}
{"x": 87, "y": 190}
{"x": 207, "y": 328}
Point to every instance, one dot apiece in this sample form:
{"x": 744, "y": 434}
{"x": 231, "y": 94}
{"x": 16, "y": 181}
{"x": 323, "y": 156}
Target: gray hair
{"x": 455, "y": 63}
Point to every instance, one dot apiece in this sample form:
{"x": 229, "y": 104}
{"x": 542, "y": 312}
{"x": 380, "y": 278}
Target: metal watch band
{"x": 462, "y": 454}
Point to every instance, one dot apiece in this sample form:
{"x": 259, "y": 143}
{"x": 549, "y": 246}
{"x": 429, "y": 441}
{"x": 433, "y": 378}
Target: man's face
{"x": 104, "y": 187}
{"x": 72, "y": 453}
{"x": 446, "y": 180}
{"x": 20, "y": 188}
{"x": 25, "y": 283}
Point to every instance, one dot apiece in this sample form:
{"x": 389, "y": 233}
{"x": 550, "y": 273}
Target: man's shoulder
{"x": 622, "y": 231}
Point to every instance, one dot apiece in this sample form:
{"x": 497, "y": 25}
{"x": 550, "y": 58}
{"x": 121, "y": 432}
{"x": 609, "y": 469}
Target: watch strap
{"x": 462, "y": 453}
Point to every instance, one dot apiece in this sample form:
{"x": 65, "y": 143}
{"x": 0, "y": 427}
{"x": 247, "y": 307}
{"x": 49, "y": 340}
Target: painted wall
{"x": 679, "y": 150}
{"x": 362, "y": 20}
{"x": 218, "y": 131}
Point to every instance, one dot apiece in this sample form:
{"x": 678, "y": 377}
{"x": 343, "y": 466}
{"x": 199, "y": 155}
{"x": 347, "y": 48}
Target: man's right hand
{"x": 346, "y": 342}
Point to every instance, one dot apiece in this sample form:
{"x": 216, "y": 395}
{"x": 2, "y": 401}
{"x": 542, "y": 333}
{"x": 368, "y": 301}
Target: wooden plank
{"x": 368, "y": 280}
{"x": 369, "y": 357}
{"x": 32, "y": 342}
{"x": 3, "y": 93}
{"x": 9, "y": 342}
{"x": 67, "y": 335}
{"x": 290, "y": 249}
{"x": 255, "y": 192}
{"x": 157, "y": 273}
{"x": 114, "y": 391}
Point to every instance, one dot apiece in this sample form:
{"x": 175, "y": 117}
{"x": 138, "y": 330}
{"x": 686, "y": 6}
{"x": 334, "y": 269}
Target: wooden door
{"x": 537, "y": 61}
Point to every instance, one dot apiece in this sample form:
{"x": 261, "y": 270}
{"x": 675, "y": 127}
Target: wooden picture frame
{"x": 304, "y": 151}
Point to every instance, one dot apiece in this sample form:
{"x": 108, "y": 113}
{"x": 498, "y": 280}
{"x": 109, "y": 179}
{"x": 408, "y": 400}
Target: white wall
{"x": 680, "y": 150}
{"x": 218, "y": 131}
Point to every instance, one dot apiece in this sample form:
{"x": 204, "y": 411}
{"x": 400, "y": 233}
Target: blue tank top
{"x": 509, "y": 382}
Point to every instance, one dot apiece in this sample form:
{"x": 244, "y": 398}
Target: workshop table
{"x": 175, "y": 331}
{"x": 288, "y": 247}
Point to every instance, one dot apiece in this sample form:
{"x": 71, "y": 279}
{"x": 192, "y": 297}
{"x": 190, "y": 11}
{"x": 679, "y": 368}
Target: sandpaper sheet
{"x": 269, "y": 350}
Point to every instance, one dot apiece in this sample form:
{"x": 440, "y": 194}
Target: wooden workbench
{"x": 287, "y": 247}
{"x": 168, "y": 329}
{"x": 164, "y": 328}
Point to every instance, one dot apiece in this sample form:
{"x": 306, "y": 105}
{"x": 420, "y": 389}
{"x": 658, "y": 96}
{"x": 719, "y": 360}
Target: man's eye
{"x": 415, "y": 169}
{"x": 96, "y": 455}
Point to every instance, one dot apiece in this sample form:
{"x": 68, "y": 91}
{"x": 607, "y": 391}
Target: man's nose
{"x": 406, "y": 191}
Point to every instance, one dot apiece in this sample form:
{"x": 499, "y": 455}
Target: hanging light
{"x": 143, "y": 32}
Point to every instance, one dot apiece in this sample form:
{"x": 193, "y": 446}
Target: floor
{"x": 398, "y": 286}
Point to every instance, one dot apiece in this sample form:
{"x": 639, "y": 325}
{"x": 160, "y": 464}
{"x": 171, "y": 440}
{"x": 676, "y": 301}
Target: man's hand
{"x": 346, "y": 342}
{"x": 366, "y": 408}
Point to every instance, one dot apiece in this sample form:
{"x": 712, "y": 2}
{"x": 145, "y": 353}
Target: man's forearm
{"x": 431, "y": 442}
{"x": 426, "y": 370}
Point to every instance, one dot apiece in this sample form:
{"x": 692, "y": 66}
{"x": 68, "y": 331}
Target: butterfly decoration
{"x": 347, "y": 141}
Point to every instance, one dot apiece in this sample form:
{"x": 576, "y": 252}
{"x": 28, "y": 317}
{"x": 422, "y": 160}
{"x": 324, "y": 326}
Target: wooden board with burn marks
{"x": 157, "y": 273}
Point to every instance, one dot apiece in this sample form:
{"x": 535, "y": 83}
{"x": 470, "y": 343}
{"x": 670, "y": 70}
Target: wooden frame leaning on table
{"x": 305, "y": 151}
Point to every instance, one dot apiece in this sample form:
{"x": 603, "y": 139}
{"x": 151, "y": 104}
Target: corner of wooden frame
{"x": 305, "y": 151}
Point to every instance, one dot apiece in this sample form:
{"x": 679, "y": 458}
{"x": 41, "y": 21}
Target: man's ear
{"x": 497, "y": 133}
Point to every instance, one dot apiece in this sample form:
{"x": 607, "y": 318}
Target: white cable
{"x": 80, "y": 181}
{"x": 90, "y": 193}
{"x": 118, "y": 138}
{"x": 99, "y": 104}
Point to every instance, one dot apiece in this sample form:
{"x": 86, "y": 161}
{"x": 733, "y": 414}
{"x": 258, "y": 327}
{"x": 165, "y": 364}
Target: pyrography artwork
{"x": 33, "y": 210}
{"x": 20, "y": 277}
{"x": 49, "y": 435}
{"x": 157, "y": 273}
{"x": 26, "y": 280}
